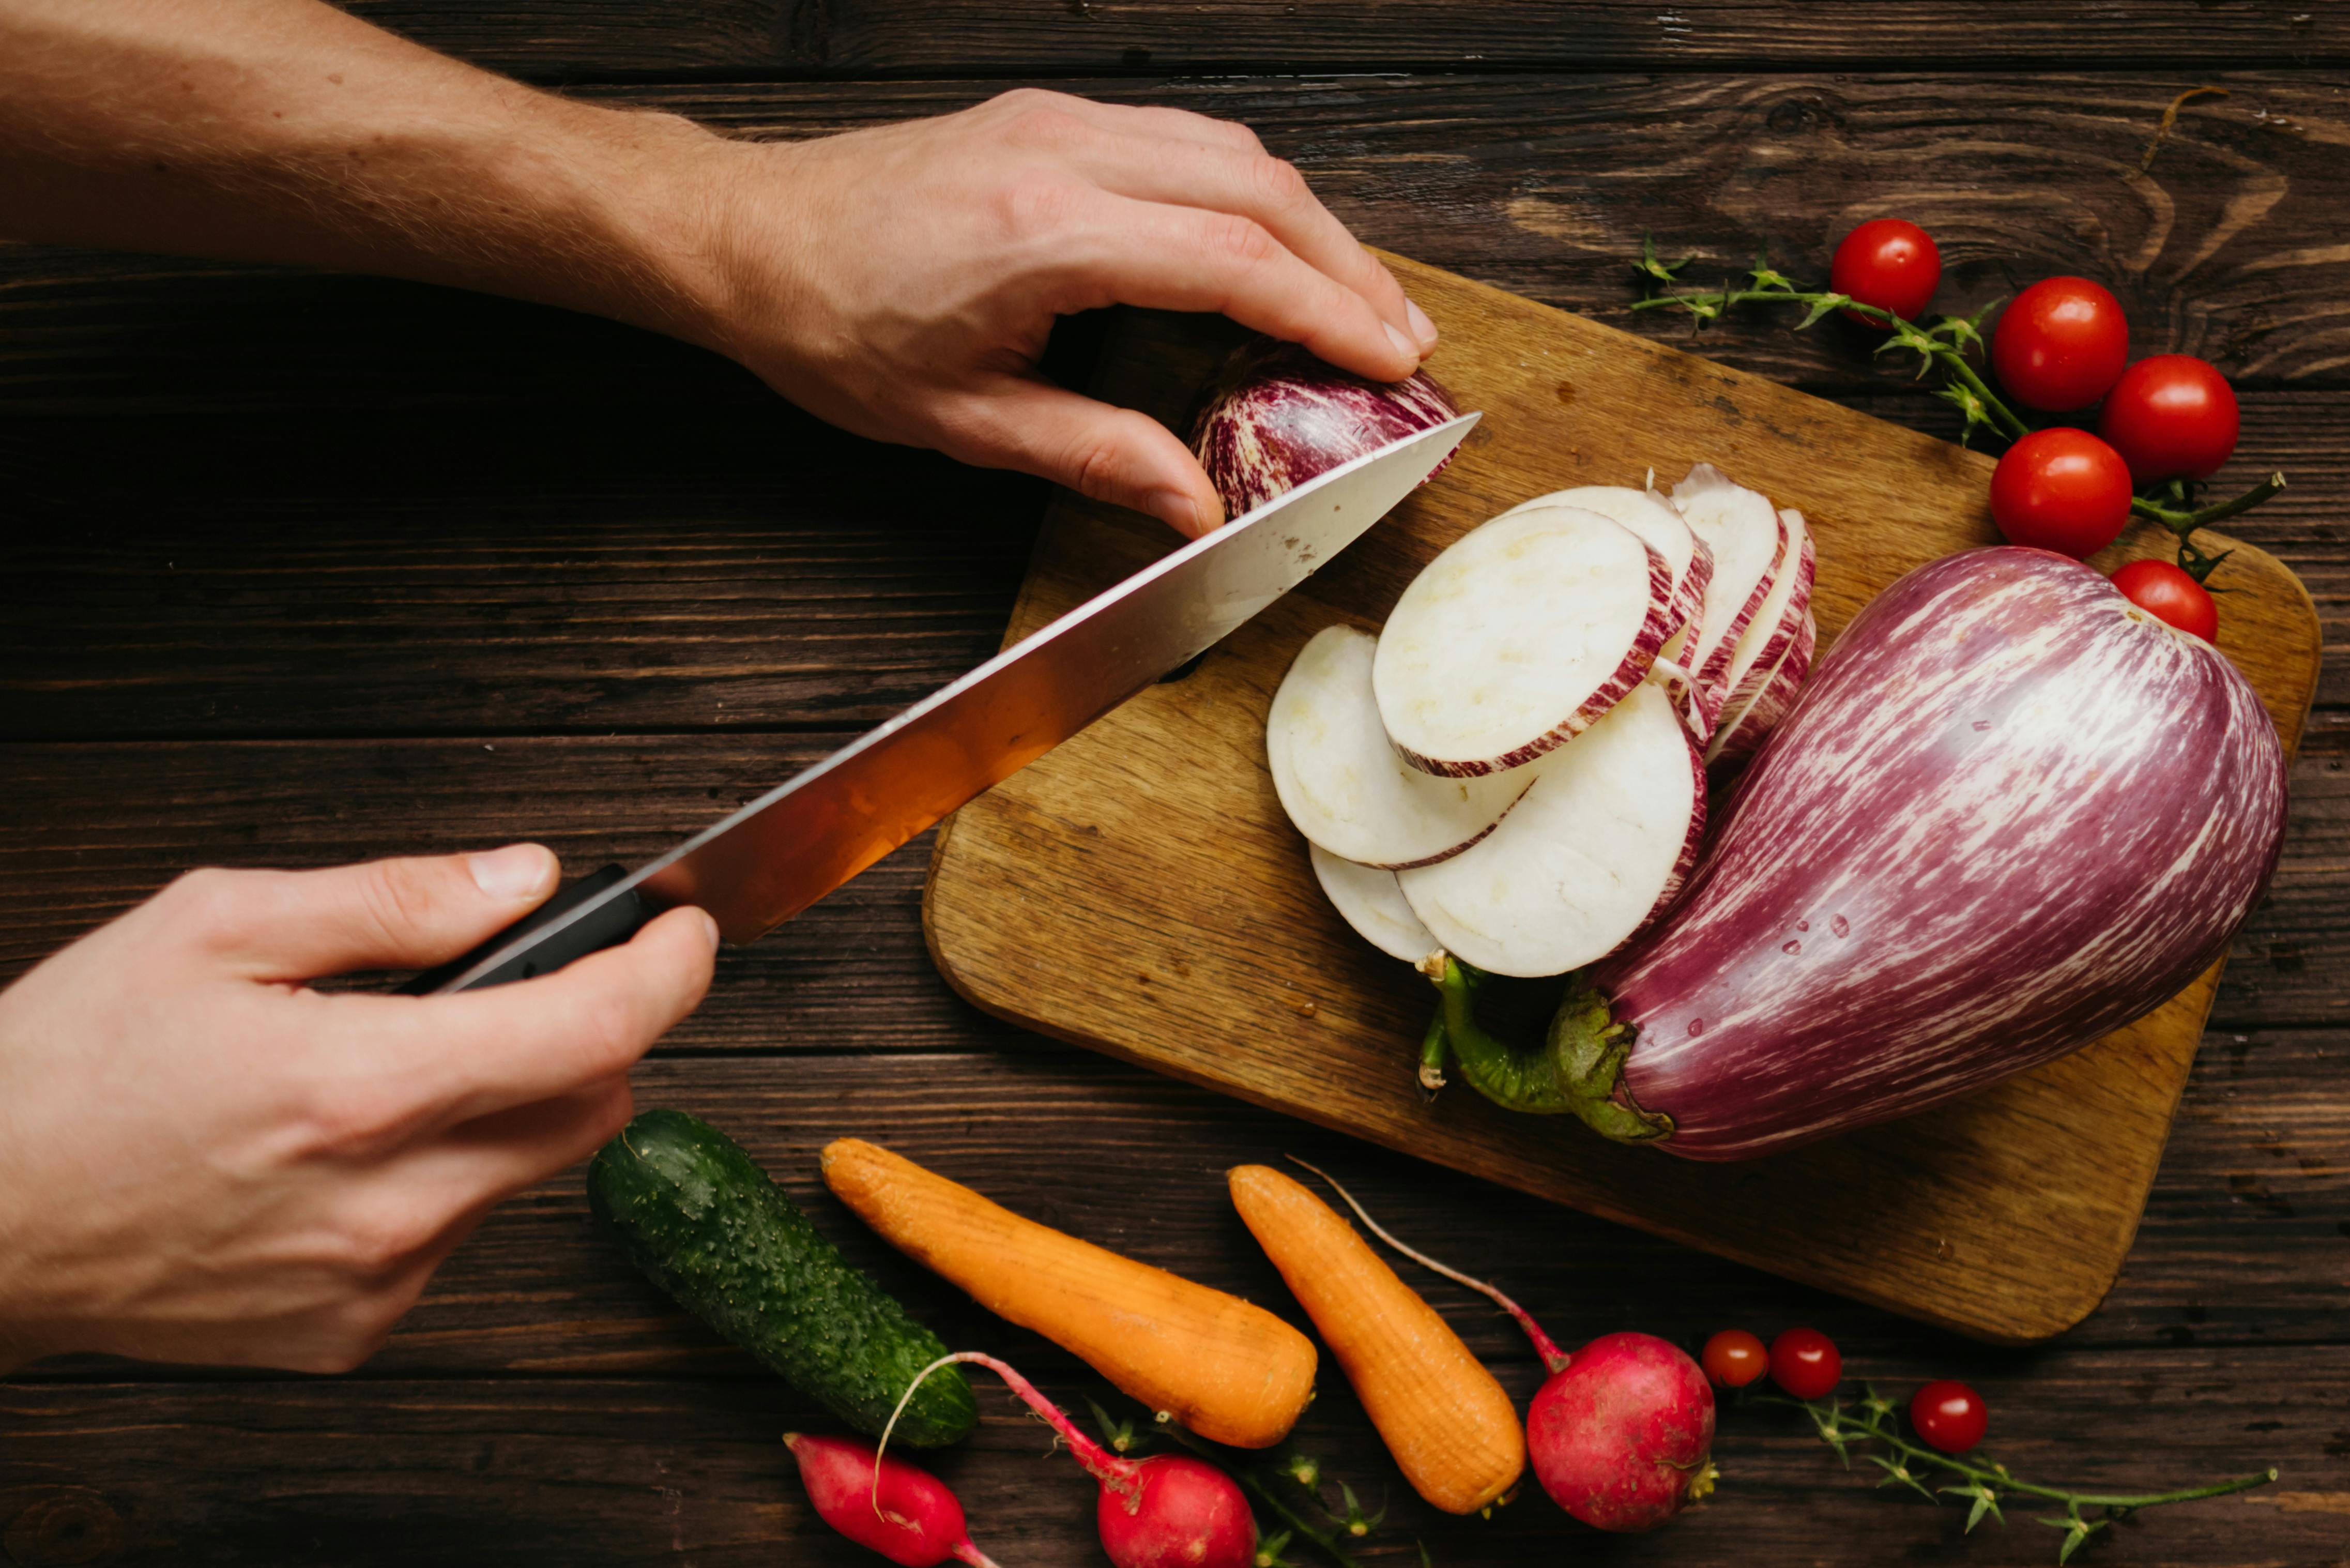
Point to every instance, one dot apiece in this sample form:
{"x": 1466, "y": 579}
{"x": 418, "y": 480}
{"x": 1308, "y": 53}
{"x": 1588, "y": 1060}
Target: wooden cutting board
{"x": 1139, "y": 891}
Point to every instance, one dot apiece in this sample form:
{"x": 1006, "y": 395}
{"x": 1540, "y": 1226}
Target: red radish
{"x": 1602, "y": 841}
{"x": 1370, "y": 900}
{"x": 2012, "y": 811}
{"x": 1166, "y": 1511}
{"x": 1748, "y": 538}
{"x": 1621, "y": 1433}
{"x": 1343, "y": 785}
{"x": 906, "y": 1515}
{"x": 1518, "y": 637}
{"x": 1278, "y": 416}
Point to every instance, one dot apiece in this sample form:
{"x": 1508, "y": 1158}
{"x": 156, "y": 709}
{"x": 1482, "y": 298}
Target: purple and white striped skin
{"x": 2009, "y": 813}
{"x": 1278, "y": 416}
{"x": 1748, "y": 539}
{"x": 1743, "y": 729}
{"x": 1523, "y": 634}
{"x": 1776, "y": 625}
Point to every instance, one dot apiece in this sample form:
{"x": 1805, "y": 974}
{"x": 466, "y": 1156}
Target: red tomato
{"x": 1804, "y": 1363}
{"x": 2165, "y": 591}
{"x": 1888, "y": 263}
{"x": 1734, "y": 1359}
{"x": 2061, "y": 344}
{"x": 1949, "y": 1415}
{"x": 2170, "y": 417}
{"x": 2061, "y": 490}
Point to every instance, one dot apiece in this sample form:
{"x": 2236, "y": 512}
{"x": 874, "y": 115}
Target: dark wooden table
{"x": 305, "y": 568}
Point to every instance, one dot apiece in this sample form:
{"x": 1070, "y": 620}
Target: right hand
{"x": 202, "y": 1159}
{"x": 901, "y": 282}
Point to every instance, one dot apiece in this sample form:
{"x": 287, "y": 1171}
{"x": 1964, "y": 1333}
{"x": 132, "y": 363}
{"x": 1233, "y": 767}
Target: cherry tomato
{"x": 1734, "y": 1359}
{"x": 1888, "y": 263}
{"x": 1949, "y": 1415}
{"x": 2165, "y": 591}
{"x": 2061, "y": 490}
{"x": 2061, "y": 344}
{"x": 1804, "y": 1363}
{"x": 2170, "y": 417}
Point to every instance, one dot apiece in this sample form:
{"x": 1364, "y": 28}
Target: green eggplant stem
{"x": 1576, "y": 1070}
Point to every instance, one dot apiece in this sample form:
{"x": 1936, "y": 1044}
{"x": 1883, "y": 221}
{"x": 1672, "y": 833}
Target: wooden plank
{"x": 591, "y": 1472}
{"x": 2010, "y": 1224}
{"x": 565, "y": 38}
{"x": 760, "y": 571}
{"x": 2235, "y": 244}
{"x": 2241, "y": 1245}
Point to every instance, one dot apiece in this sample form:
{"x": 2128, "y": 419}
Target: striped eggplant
{"x": 1277, "y": 416}
{"x": 2009, "y": 812}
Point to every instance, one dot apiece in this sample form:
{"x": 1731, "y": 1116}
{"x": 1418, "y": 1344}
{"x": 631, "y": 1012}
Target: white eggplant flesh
{"x": 1599, "y": 844}
{"x": 1748, "y": 538}
{"x": 1369, "y": 899}
{"x": 1518, "y": 637}
{"x": 1773, "y": 631}
{"x": 1343, "y": 785}
{"x": 1663, "y": 528}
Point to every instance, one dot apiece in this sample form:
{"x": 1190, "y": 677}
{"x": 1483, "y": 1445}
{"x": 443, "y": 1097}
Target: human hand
{"x": 901, "y": 282}
{"x": 203, "y": 1159}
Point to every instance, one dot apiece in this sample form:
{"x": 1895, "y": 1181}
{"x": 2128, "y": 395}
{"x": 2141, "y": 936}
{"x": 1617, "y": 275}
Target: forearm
{"x": 287, "y": 130}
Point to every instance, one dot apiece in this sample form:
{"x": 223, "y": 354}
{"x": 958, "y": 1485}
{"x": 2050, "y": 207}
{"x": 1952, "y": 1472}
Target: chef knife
{"x": 781, "y": 852}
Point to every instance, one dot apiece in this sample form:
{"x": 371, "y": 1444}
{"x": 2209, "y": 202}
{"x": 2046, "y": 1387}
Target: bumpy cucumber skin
{"x": 699, "y": 1217}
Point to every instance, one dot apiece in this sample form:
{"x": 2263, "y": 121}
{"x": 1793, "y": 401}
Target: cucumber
{"x": 699, "y": 1217}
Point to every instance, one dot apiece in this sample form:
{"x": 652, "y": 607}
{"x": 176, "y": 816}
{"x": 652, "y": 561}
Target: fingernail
{"x": 1422, "y": 326}
{"x": 514, "y": 872}
{"x": 1403, "y": 345}
{"x": 709, "y": 929}
{"x": 1180, "y": 511}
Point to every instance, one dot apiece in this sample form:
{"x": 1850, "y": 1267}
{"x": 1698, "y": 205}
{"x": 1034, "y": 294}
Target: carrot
{"x": 1232, "y": 1372}
{"x": 1449, "y": 1426}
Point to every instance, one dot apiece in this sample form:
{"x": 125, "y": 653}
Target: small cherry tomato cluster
{"x": 1806, "y": 1365}
{"x": 2060, "y": 347}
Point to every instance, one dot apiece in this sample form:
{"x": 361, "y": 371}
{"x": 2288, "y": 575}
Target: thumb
{"x": 1113, "y": 454}
{"x": 383, "y": 914}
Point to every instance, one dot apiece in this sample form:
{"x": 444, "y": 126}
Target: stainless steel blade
{"x": 781, "y": 852}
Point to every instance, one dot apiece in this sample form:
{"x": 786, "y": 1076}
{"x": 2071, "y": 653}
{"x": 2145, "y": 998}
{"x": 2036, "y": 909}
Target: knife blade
{"x": 773, "y": 857}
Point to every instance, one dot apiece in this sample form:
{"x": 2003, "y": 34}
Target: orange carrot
{"x": 1232, "y": 1372}
{"x": 1449, "y": 1426}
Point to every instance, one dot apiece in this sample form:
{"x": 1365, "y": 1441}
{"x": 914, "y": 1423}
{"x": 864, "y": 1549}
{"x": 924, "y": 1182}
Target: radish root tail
{"x": 1553, "y": 1359}
{"x": 1121, "y": 1476}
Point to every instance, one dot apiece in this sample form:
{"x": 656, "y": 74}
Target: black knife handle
{"x": 608, "y": 927}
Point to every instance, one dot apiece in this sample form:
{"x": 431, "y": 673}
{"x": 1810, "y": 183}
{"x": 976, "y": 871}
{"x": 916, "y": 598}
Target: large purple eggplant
{"x": 2009, "y": 812}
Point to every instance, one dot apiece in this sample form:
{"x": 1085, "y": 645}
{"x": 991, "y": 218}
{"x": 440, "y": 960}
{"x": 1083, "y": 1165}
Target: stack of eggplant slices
{"x": 1513, "y": 771}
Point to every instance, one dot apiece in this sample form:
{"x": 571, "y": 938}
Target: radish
{"x": 2010, "y": 812}
{"x": 1517, "y": 639}
{"x": 906, "y": 1515}
{"x": 1166, "y": 1511}
{"x": 1747, "y": 538}
{"x": 1343, "y": 785}
{"x": 1278, "y": 416}
{"x": 1744, "y": 727}
{"x": 1777, "y": 621}
{"x": 1665, "y": 531}
{"x": 1601, "y": 841}
{"x": 1369, "y": 899}
{"x": 1621, "y": 1433}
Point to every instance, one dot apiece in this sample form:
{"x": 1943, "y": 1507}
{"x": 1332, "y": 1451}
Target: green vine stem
{"x": 1986, "y": 1483}
{"x": 1943, "y": 344}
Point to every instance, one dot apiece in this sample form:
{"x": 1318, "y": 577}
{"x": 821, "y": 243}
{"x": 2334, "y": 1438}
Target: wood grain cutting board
{"x": 1139, "y": 891}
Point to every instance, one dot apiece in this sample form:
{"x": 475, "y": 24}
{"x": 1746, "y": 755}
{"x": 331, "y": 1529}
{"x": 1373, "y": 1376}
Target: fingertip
{"x": 1422, "y": 326}
{"x": 516, "y": 873}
